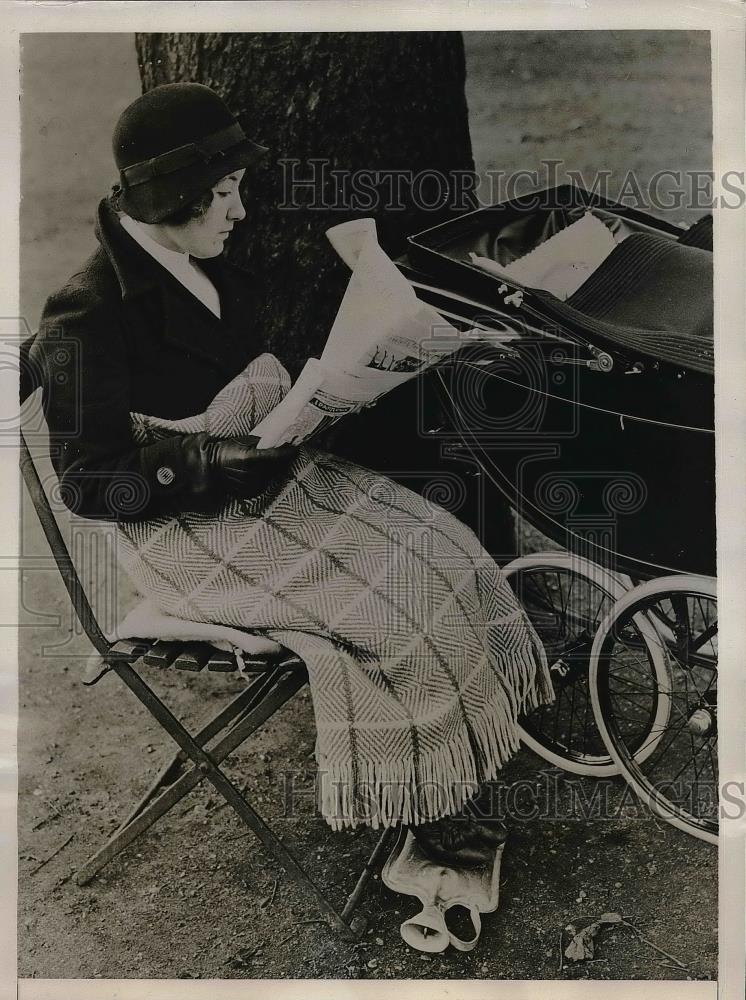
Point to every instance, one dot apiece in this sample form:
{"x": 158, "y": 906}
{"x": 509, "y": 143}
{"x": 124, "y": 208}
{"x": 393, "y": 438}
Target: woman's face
{"x": 206, "y": 236}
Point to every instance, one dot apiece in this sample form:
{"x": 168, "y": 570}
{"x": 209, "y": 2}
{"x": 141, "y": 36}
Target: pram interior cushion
{"x": 561, "y": 263}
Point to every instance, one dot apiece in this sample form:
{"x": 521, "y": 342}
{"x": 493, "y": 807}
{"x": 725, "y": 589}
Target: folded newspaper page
{"x": 382, "y": 336}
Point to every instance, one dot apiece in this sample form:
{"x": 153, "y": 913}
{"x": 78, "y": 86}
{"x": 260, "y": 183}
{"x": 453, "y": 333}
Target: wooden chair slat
{"x": 255, "y": 664}
{"x": 131, "y": 647}
{"x": 193, "y": 656}
{"x": 162, "y": 654}
{"x": 221, "y": 661}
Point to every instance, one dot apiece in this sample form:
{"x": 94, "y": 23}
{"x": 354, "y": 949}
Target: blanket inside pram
{"x": 419, "y": 657}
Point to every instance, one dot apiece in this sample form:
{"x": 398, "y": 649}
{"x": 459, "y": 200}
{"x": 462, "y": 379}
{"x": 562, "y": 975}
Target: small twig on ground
{"x": 268, "y": 900}
{"x": 561, "y": 953}
{"x": 56, "y": 814}
{"x": 52, "y": 855}
{"x": 642, "y": 937}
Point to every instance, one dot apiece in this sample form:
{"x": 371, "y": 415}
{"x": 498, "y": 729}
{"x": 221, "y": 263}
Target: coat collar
{"x": 187, "y": 323}
{"x": 133, "y": 267}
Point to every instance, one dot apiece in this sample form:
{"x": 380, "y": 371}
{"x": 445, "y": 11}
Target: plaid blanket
{"x": 420, "y": 660}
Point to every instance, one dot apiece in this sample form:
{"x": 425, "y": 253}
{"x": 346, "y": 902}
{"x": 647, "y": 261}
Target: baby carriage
{"x": 598, "y": 427}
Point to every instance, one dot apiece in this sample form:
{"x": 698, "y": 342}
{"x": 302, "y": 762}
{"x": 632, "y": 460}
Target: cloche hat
{"x": 174, "y": 143}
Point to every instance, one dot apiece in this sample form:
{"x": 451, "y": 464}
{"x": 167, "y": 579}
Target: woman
{"x": 420, "y": 660}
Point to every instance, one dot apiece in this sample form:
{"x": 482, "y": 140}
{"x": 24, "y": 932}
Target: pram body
{"x": 603, "y": 439}
{"x": 612, "y": 459}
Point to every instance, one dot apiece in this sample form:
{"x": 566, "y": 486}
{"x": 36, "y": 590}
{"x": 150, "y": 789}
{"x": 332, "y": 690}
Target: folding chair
{"x": 278, "y": 676}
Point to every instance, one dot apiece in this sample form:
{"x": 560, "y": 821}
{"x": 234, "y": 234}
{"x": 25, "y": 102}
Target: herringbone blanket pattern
{"x": 420, "y": 659}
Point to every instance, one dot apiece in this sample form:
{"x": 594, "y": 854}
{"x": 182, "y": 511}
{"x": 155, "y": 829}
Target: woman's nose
{"x": 237, "y": 211}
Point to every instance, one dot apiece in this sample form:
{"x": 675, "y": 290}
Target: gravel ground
{"x": 196, "y": 897}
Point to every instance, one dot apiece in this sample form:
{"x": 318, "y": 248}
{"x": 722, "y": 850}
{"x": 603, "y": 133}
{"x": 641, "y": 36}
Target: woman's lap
{"x": 419, "y": 657}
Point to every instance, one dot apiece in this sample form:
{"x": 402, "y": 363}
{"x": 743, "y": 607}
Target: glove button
{"x": 165, "y": 475}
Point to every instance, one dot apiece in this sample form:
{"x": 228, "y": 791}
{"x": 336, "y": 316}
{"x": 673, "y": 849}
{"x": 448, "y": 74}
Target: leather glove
{"x": 233, "y": 465}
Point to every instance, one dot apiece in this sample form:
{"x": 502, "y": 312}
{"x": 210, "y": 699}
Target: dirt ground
{"x": 196, "y": 896}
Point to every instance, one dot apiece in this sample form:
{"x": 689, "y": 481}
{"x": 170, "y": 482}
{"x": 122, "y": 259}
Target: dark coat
{"x": 124, "y": 335}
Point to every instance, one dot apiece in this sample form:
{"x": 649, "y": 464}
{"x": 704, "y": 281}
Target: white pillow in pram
{"x": 562, "y": 263}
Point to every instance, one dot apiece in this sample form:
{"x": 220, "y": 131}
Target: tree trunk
{"x": 378, "y": 123}
{"x": 350, "y": 102}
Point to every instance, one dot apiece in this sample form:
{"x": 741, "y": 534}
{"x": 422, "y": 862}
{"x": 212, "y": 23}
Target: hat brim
{"x": 159, "y": 197}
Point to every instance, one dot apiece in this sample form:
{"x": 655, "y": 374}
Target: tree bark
{"x": 387, "y": 102}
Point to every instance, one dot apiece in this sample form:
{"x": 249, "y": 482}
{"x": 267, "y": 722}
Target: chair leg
{"x": 208, "y": 768}
{"x": 153, "y": 805}
{"x": 172, "y": 769}
{"x": 125, "y": 835}
{"x": 230, "y": 793}
{"x": 354, "y": 898}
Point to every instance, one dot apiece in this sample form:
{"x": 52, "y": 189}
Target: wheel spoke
{"x": 556, "y": 714}
{"x": 660, "y": 751}
{"x": 673, "y": 767}
{"x": 573, "y": 689}
{"x": 539, "y": 598}
{"x": 691, "y": 761}
{"x": 549, "y": 597}
{"x": 586, "y": 720}
{"x": 618, "y": 696}
{"x": 705, "y": 637}
{"x": 631, "y": 652}
{"x": 630, "y": 684}
{"x": 564, "y": 605}
{"x": 601, "y": 603}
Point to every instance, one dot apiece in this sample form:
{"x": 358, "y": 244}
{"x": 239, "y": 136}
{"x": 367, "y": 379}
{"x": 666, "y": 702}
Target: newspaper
{"x": 382, "y": 336}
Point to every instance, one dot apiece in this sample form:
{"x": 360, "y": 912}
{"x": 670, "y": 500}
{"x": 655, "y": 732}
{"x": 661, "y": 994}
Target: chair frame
{"x": 277, "y": 678}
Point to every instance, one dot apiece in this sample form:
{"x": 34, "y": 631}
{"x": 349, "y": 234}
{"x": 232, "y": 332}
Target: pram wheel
{"x": 566, "y": 598}
{"x": 671, "y": 718}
